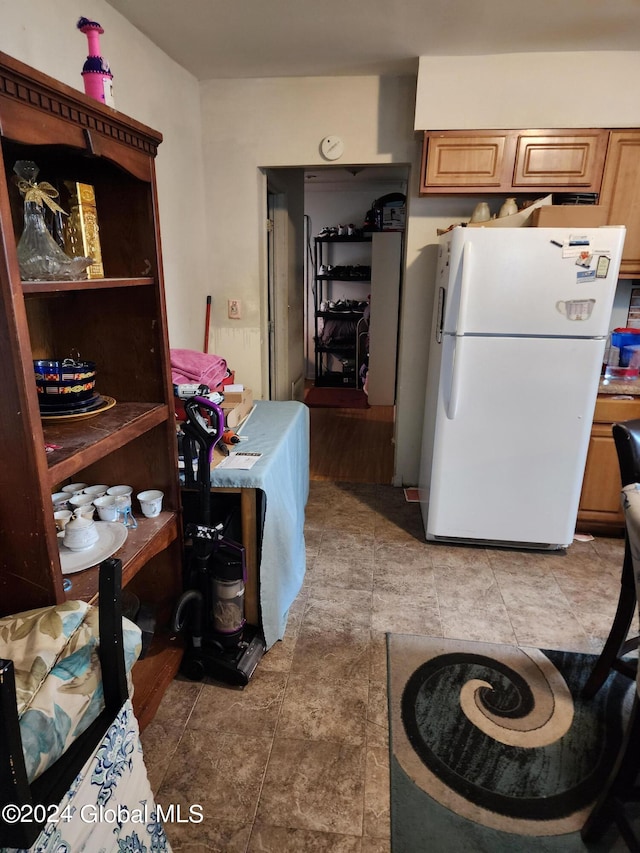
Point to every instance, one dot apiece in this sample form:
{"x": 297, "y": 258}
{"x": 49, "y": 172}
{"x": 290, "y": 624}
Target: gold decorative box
{"x": 81, "y": 236}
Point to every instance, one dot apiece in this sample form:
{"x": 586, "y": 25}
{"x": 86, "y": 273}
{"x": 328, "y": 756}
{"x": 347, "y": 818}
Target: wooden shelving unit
{"x": 119, "y": 322}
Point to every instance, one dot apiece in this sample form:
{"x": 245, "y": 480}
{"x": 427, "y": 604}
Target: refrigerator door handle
{"x": 456, "y": 380}
{"x": 465, "y": 285}
{"x": 440, "y": 315}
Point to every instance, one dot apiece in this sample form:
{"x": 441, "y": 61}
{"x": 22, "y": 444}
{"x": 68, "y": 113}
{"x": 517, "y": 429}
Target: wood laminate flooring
{"x": 352, "y": 445}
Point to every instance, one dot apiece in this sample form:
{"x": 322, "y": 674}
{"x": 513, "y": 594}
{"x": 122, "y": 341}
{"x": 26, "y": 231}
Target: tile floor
{"x": 297, "y": 761}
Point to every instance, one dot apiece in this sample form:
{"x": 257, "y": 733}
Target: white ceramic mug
{"x": 106, "y": 506}
{"x": 576, "y": 309}
{"x": 150, "y": 502}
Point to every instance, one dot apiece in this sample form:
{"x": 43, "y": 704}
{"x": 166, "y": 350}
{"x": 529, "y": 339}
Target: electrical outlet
{"x": 235, "y": 309}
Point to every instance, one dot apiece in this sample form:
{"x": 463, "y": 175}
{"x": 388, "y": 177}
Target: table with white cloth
{"x": 279, "y": 431}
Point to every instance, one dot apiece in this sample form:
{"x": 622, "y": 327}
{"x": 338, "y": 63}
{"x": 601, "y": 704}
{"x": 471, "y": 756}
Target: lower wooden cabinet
{"x": 599, "y": 510}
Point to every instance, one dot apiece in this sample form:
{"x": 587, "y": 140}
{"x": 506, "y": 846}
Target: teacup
{"x": 121, "y": 492}
{"x": 150, "y": 502}
{"x": 80, "y": 500}
{"x": 60, "y": 500}
{"x": 62, "y": 518}
{"x": 96, "y": 491}
{"x": 74, "y": 488}
{"x": 107, "y": 508}
{"x": 86, "y": 510}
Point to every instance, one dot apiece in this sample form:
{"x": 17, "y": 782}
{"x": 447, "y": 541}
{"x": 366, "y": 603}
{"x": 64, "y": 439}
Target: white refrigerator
{"x": 519, "y": 328}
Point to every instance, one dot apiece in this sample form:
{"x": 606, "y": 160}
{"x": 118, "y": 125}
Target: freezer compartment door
{"x": 512, "y": 428}
{"x": 532, "y": 281}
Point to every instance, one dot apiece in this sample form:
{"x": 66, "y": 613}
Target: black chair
{"x": 49, "y": 788}
{"x": 627, "y": 440}
{"x": 621, "y": 786}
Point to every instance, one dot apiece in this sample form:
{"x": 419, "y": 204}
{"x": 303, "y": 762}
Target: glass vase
{"x": 39, "y": 256}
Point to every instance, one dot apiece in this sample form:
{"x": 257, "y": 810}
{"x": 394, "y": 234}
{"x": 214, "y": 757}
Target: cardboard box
{"x": 236, "y": 406}
{"x": 569, "y": 216}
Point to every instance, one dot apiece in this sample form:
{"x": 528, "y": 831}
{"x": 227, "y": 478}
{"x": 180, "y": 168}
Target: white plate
{"x": 111, "y": 535}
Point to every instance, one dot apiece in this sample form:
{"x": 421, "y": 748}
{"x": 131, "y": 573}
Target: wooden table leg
{"x": 249, "y": 516}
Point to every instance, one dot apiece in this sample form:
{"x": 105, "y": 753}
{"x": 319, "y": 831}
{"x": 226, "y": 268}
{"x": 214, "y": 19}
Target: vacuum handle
{"x": 208, "y": 438}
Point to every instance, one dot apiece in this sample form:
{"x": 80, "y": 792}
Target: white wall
{"x": 253, "y": 124}
{"x": 582, "y": 89}
{"x": 152, "y": 88}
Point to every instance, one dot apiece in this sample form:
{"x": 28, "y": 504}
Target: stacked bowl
{"x": 66, "y": 386}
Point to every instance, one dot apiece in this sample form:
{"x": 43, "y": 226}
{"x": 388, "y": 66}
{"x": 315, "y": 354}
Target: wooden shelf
{"x": 44, "y": 287}
{"x": 151, "y": 537}
{"x": 86, "y": 441}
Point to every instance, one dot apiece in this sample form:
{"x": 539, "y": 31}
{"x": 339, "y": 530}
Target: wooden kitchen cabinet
{"x": 119, "y": 322}
{"x": 466, "y": 162}
{"x": 513, "y": 161}
{"x": 599, "y": 510}
{"x": 621, "y": 194}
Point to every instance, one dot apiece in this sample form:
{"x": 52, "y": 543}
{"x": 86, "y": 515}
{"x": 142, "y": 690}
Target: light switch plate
{"x": 234, "y": 309}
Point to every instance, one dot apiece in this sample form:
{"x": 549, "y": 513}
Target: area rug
{"x": 492, "y": 747}
{"x": 336, "y": 398}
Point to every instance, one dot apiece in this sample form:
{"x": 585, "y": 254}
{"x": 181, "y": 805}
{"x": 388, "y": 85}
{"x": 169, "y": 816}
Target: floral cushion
{"x": 58, "y": 678}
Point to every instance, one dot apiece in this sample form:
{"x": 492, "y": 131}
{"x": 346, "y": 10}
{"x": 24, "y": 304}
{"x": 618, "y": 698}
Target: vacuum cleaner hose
{"x": 194, "y": 598}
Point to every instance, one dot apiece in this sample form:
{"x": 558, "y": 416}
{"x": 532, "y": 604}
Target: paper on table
{"x": 240, "y": 460}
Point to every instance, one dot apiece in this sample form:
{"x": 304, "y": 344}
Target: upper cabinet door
{"x": 621, "y": 194}
{"x": 467, "y": 161}
{"x": 551, "y": 158}
{"x": 501, "y": 161}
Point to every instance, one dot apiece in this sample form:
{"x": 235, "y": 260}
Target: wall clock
{"x": 332, "y": 147}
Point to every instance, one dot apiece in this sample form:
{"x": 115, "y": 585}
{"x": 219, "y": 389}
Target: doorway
{"x": 355, "y": 445}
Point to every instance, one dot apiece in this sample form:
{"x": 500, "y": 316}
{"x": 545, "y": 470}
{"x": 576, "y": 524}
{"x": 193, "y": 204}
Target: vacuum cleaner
{"x": 210, "y": 612}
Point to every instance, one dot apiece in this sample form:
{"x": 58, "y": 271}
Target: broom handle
{"x": 205, "y": 348}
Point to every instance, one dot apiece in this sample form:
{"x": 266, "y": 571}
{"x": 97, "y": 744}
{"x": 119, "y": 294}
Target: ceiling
{"x": 293, "y": 38}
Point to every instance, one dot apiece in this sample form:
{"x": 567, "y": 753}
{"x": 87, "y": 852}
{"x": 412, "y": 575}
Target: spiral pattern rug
{"x": 492, "y": 747}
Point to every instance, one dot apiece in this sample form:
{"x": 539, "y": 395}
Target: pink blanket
{"x": 191, "y": 366}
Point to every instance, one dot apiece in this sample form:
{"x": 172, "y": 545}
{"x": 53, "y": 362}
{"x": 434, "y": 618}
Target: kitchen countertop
{"x": 626, "y": 387}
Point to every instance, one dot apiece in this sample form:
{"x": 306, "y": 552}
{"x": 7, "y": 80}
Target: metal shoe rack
{"x": 338, "y": 358}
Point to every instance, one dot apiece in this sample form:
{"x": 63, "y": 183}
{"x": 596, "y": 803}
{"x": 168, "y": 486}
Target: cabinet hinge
{"x": 269, "y": 226}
